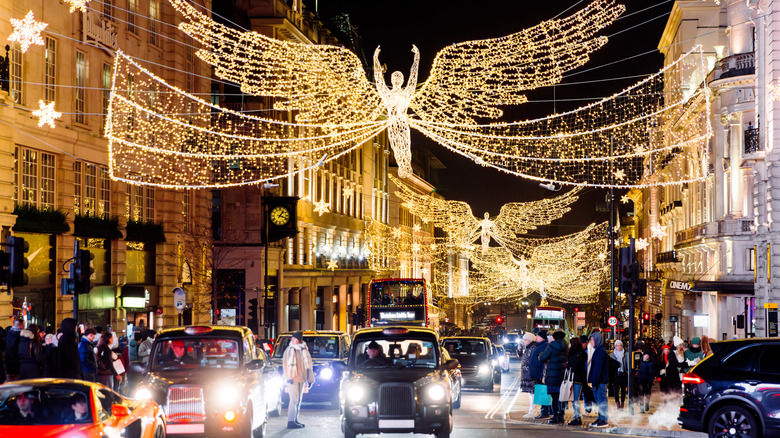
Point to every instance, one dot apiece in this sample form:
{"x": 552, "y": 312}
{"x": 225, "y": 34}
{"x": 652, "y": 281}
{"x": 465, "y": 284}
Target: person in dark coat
{"x": 50, "y": 356}
{"x": 31, "y": 355}
{"x": 2, "y": 355}
{"x": 618, "y": 373}
{"x": 577, "y": 366}
{"x": 12, "y": 351}
{"x": 598, "y": 377}
{"x": 105, "y": 360}
{"x": 669, "y": 370}
{"x": 527, "y": 383}
{"x": 537, "y": 369}
{"x": 554, "y": 357}
{"x": 68, "y": 362}
{"x": 645, "y": 377}
{"x": 87, "y": 355}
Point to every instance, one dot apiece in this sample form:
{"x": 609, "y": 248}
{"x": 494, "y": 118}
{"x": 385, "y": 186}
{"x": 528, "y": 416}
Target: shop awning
{"x": 725, "y": 287}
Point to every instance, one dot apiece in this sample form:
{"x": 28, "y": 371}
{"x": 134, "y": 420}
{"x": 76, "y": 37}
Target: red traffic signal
{"x": 499, "y": 320}
{"x": 646, "y": 318}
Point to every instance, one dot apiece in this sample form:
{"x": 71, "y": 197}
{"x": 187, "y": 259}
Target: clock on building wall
{"x": 280, "y": 217}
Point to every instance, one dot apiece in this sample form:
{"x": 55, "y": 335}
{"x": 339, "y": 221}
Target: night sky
{"x": 434, "y": 24}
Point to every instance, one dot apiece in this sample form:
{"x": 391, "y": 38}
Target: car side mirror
{"x": 255, "y": 365}
{"x": 451, "y": 364}
{"x": 119, "y": 411}
{"x": 138, "y": 367}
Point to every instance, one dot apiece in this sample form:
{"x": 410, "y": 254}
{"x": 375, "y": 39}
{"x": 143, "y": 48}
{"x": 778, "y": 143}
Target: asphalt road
{"x": 481, "y": 415}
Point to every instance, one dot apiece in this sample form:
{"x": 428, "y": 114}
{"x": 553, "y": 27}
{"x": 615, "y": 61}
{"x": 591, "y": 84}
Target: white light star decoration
{"x": 321, "y": 207}
{"x": 347, "y": 192}
{"x": 46, "y": 114}
{"x": 333, "y": 264}
{"x": 27, "y": 32}
{"x": 77, "y": 4}
{"x": 641, "y": 244}
{"x": 625, "y": 199}
{"x": 774, "y": 91}
{"x": 658, "y": 231}
{"x": 396, "y": 232}
{"x": 416, "y": 247}
{"x": 620, "y": 174}
{"x": 417, "y": 228}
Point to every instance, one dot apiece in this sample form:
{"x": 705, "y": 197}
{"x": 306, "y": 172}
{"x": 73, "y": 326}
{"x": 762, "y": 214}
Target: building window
{"x": 139, "y": 203}
{"x": 108, "y": 9}
{"x": 106, "y": 93}
{"x": 186, "y": 206}
{"x": 81, "y": 82}
{"x": 15, "y": 73}
{"x": 750, "y": 261}
{"x": 50, "y": 70}
{"x": 154, "y": 15}
{"x": 132, "y": 7}
{"x": 92, "y": 190}
{"x": 34, "y": 177}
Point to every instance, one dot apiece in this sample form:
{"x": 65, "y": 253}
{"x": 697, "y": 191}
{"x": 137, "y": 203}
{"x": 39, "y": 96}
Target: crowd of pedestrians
{"x": 72, "y": 351}
{"x": 557, "y": 370}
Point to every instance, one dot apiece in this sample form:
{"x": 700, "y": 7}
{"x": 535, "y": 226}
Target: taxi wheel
{"x": 488, "y": 387}
{"x": 159, "y": 432}
{"x": 445, "y": 432}
{"x": 348, "y": 432}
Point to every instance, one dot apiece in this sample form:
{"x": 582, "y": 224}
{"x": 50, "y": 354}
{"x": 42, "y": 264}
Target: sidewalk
{"x": 659, "y": 421}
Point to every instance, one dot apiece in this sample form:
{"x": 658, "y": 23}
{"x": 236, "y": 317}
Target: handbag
{"x": 540, "y": 395}
{"x": 567, "y": 387}
{"x": 119, "y": 367}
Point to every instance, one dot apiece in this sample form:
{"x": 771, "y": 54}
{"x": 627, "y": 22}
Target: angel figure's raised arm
{"x": 411, "y": 85}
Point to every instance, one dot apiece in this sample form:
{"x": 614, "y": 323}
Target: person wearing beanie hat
{"x": 693, "y": 355}
{"x": 537, "y": 369}
{"x": 669, "y": 371}
{"x": 298, "y": 371}
{"x": 528, "y": 382}
{"x": 554, "y": 357}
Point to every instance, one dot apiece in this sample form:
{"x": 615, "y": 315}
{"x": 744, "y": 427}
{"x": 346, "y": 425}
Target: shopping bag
{"x": 119, "y": 367}
{"x": 567, "y": 387}
{"x": 540, "y": 395}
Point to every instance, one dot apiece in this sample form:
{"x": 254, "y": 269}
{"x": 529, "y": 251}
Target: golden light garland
{"x": 27, "y": 32}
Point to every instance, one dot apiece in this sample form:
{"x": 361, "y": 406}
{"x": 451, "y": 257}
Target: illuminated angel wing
{"x": 473, "y": 78}
{"x": 517, "y": 218}
{"x": 325, "y": 84}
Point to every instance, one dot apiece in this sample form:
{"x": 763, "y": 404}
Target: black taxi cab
{"x": 479, "y": 367}
{"x": 397, "y": 381}
{"x": 208, "y": 380}
{"x": 327, "y": 348}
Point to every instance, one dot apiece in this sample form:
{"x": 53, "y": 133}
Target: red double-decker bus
{"x": 401, "y": 301}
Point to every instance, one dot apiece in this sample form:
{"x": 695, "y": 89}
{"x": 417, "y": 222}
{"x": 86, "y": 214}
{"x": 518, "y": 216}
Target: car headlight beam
{"x": 436, "y": 392}
{"x": 143, "y": 394}
{"x": 227, "y": 392}
{"x": 326, "y": 373}
{"x": 484, "y": 369}
{"x": 355, "y": 393}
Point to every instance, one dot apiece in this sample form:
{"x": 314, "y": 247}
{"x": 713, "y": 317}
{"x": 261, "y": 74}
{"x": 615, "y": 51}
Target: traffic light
{"x": 5, "y": 268}
{"x": 499, "y": 320}
{"x": 82, "y": 271}
{"x": 18, "y": 261}
{"x": 253, "y": 308}
{"x": 645, "y": 318}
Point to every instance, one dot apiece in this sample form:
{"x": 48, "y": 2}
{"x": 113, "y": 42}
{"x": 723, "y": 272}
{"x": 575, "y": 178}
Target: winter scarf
{"x": 297, "y": 364}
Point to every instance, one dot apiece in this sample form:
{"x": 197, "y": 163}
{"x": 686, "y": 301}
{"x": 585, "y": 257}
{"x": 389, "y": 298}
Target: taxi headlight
{"x": 326, "y": 373}
{"x": 227, "y": 392}
{"x": 484, "y": 369}
{"x": 495, "y": 361}
{"x": 355, "y": 393}
{"x": 143, "y": 394}
{"x": 436, "y": 392}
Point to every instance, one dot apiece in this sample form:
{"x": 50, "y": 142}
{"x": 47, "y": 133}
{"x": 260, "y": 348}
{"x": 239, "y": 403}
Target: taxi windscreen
{"x": 320, "y": 347}
{"x": 390, "y": 353}
{"x": 190, "y": 353}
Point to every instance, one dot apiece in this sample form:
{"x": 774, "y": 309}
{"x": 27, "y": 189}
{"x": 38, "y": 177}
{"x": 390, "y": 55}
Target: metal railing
{"x": 667, "y": 257}
{"x": 752, "y": 144}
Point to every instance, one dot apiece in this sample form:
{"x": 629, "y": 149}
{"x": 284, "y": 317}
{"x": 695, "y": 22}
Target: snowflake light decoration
{"x": 416, "y": 247}
{"x": 641, "y": 244}
{"x": 27, "y": 32}
{"x": 774, "y": 92}
{"x": 333, "y": 264}
{"x": 78, "y": 4}
{"x": 658, "y": 231}
{"x": 347, "y": 192}
{"x": 46, "y": 114}
{"x": 417, "y": 228}
{"x": 620, "y": 174}
{"x": 396, "y": 232}
{"x": 321, "y": 207}
{"x": 625, "y": 199}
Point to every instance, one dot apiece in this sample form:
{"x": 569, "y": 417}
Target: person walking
{"x": 619, "y": 373}
{"x": 50, "y": 356}
{"x": 105, "y": 361}
{"x": 68, "y": 360}
{"x": 693, "y": 355}
{"x": 12, "y": 351}
{"x": 645, "y": 377}
{"x": 554, "y": 357}
{"x": 132, "y": 347}
{"x": 31, "y": 355}
{"x": 145, "y": 347}
{"x": 598, "y": 376}
{"x": 527, "y": 383}
{"x": 669, "y": 371}
{"x": 298, "y": 372}
{"x": 577, "y": 366}
{"x": 537, "y": 370}
{"x": 87, "y": 356}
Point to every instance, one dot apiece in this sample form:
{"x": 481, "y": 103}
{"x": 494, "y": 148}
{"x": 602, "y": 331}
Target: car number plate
{"x": 185, "y": 428}
{"x": 396, "y": 424}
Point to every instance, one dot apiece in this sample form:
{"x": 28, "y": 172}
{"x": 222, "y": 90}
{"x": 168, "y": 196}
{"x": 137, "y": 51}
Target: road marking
{"x": 507, "y": 394}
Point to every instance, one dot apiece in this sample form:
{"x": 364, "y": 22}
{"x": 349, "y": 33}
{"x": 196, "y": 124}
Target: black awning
{"x": 725, "y": 287}
{"x": 134, "y": 291}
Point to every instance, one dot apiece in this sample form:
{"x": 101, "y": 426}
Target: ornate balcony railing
{"x": 667, "y": 257}
{"x": 752, "y": 144}
{"x": 737, "y": 65}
